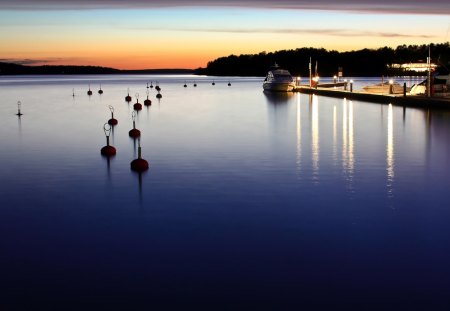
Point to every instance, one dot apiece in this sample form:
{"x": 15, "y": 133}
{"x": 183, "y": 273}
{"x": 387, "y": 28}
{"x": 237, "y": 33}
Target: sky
{"x": 145, "y": 34}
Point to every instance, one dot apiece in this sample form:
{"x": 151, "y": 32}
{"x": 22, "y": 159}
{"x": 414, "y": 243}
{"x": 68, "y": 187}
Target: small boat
{"x": 279, "y": 80}
{"x": 384, "y": 88}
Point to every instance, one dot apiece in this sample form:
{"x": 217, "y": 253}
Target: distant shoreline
{"x": 11, "y": 69}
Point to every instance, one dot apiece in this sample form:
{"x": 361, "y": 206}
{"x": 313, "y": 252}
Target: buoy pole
{"x": 18, "y": 109}
{"x": 107, "y": 150}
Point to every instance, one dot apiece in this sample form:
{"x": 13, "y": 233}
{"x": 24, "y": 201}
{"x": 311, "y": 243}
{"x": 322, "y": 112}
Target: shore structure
{"x": 403, "y": 99}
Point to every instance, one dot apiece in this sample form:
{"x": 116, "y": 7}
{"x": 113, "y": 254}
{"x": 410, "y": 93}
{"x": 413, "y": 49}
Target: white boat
{"x": 440, "y": 86}
{"x": 279, "y": 80}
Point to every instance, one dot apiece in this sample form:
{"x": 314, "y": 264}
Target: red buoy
{"x": 134, "y": 133}
{"x": 139, "y": 164}
{"x": 89, "y": 92}
{"x": 137, "y": 105}
{"x": 147, "y": 102}
{"x": 100, "y": 91}
{"x": 128, "y": 97}
{"x": 112, "y": 121}
{"x": 107, "y": 150}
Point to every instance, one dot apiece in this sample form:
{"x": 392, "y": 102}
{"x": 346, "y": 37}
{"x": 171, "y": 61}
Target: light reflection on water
{"x": 248, "y": 193}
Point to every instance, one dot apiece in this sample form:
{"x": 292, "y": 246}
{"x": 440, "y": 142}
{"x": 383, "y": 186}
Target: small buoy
{"x": 195, "y": 84}
{"x": 139, "y": 164}
{"x": 107, "y": 150}
{"x": 213, "y": 83}
{"x": 147, "y": 85}
{"x": 229, "y": 83}
{"x": 100, "y": 91}
{"x": 73, "y": 92}
{"x": 157, "y": 87}
{"x": 185, "y": 85}
{"x": 147, "y": 102}
{"x": 128, "y": 97}
{"x": 89, "y": 92}
{"x": 134, "y": 132}
{"x": 151, "y": 84}
{"x": 112, "y": 121}
{"x": 137, "y": 105}
{"x": 158, "y": 95}
{"x": 18, "y": 109}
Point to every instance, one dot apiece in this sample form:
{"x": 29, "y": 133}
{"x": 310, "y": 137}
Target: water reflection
{"x": 348, "y": 157}
{"x": 390, "y": 151}
{"x": 299, "y": 134}
{"x": 315, "y": 148}
{"x": 278, "y": 97}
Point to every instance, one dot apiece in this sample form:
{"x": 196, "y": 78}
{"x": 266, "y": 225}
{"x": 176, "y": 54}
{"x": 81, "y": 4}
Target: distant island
{"x": 365, "y": 62}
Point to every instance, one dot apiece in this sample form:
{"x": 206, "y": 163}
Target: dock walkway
{"x": 442, "y": 102}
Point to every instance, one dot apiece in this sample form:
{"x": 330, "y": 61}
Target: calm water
{"x": 252, "y": 200}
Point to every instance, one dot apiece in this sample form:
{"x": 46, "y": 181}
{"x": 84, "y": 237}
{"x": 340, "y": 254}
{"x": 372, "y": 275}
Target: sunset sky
{"x": 139, "y": 34}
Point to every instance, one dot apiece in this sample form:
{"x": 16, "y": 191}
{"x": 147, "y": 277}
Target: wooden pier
{"x": 442, "y": 102}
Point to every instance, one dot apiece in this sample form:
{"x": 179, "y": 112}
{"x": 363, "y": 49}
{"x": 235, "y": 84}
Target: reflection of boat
{"x": 278, "y": 79}
{"x": 384, "y": 88}
{"x": 278, "y": 97}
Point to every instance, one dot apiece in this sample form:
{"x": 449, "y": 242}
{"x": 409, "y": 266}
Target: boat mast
{"x": 429, "y": 72}
{"x": 310, "y": 73}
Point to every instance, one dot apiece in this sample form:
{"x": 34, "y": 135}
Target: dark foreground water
{"x": 252, "y": 201}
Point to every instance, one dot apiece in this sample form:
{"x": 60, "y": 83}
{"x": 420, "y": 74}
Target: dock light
{"x": 351, "y": 86}
{"x": 391, "y": 86}
{"x": 345, "y": 84}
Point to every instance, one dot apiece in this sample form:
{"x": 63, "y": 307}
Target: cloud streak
{"x": 440, "y": 7}
{"x": 302, "y": 31}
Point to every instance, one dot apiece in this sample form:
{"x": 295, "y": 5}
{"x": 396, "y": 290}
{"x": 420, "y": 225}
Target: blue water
{"x": 252, "y": 201}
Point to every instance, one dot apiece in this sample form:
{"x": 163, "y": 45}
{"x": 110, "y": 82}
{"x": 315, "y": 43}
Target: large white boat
{"x": 279, "y": 80}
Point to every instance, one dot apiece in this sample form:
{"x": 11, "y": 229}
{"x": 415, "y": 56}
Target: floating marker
{"x": 128, "y": 97}
{"x": 147, "y": 85}
{"x": 195, "y": 84}
{"x": 157, "y": 87}
{"x": 185, "y": 85}
{"x": 147, "y": 102}
{"x": 151, "y": 84}
{"x": 18, "y": 109}
{"x": 135, "y": 133}
{"x": 139, "y": 164}
{"x": 213, "y": 83}
{"x": 137, "y": 105}
{"x": 112, "y": 121}
{"x": 107, "y": 150}
{"x": 158, "y": 95}
{"x": 89, "y": 92}
{"x": 73, "y": 92}
{"x": 100, "y": 91}
{"x": 229, "y": 83}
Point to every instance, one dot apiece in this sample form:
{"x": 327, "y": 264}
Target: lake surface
{"x": 252, "y": 201}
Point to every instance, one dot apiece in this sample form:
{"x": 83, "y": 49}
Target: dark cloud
{"x": 381, "y": 6}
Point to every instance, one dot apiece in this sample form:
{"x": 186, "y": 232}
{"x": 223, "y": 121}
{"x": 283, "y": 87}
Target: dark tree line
{"x": 365, "y": 62}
